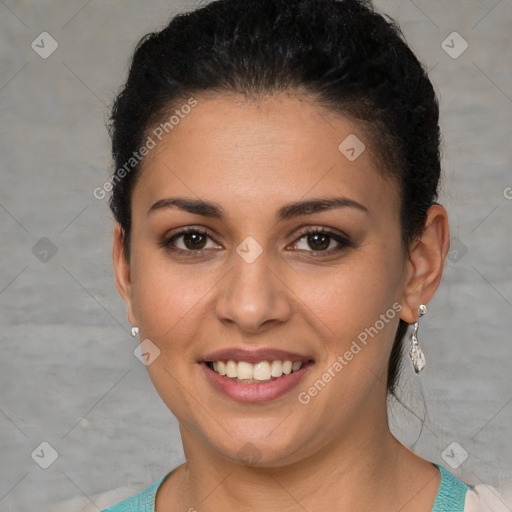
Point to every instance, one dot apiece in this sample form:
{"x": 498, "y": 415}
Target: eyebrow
{"x": 289, "y": 211}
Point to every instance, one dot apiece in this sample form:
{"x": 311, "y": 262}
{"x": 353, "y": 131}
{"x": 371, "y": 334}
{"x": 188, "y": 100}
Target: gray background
{"x": 67, "y": 371}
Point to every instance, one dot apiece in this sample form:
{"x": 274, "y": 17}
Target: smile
{"x": 257, "y": 382}
{"x": 248, "y": 373}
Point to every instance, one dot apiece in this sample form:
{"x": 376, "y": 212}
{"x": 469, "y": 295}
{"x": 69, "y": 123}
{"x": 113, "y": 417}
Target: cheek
{"x": 353, "y": 295}
{"x": 357, "y": 310}
{"x": 167, "y": 296}
{"x": 169, "y": 303}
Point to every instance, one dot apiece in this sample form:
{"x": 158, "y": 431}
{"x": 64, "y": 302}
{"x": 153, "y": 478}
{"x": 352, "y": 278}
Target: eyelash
{"x": 344, "y": 241}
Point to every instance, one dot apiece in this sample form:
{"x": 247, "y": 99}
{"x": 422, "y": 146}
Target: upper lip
{"x": 254, "y": 356}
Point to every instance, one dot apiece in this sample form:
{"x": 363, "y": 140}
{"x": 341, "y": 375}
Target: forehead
{"x": 264, "y": 153}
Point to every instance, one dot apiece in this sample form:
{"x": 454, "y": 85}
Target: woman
{"x": 277, "y": 233}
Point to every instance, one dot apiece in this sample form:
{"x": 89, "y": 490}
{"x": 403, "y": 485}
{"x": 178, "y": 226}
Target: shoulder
{"x": 451, "y": 494}
{"x": 144, "y": 501}
{"x": 486, "y": 498}
{"x": 98, "y": 501}
{"x": 455, "y": 495}
{"x": 122, "y": 499}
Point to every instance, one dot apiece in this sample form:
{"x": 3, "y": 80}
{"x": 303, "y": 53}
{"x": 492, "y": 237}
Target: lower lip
{"x": 264, "y": 392}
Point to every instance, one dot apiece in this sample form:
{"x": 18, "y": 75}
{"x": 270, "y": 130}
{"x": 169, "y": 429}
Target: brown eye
{"x": 320, "y": 239}
{"x": 193, "y": 242}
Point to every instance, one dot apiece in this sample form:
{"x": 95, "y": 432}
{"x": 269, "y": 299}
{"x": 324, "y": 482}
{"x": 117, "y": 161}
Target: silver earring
{"x": 415, "y": 353}
{"x": 135, "y": 331}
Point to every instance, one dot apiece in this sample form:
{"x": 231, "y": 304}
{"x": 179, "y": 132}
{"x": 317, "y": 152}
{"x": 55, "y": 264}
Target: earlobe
{"x": 426, "y": 263}
{"x": 122, "y": 270}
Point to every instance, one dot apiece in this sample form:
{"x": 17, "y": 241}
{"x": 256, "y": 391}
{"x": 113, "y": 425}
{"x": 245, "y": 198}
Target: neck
{"x": 370, "y": 471}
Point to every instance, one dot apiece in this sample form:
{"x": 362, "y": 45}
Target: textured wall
{"x": 67, "y": 370}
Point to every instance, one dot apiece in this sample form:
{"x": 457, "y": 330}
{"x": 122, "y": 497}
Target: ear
{"x": 122, "y": 271}
{"x": 425, "y": 263}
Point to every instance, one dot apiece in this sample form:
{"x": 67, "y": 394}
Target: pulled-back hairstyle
{"x": 347, "y": 57}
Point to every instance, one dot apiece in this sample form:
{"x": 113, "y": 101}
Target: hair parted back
{"x": 342, "y": 53}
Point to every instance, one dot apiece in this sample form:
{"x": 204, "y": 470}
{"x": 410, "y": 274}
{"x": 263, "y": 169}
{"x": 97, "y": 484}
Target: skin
{"x": 251, "y": 158}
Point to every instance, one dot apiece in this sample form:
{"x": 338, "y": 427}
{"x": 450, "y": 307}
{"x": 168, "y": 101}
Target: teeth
{"x": 276, "y": 369}
{"x": 296, "y": 365}
{"x": 244, "y": 370}
{"x": 221, "y": 367}
{"x": 231, "y": 369}
{"x": 262, "y": 371}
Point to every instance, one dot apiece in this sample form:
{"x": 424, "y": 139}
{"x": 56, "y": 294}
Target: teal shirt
{"x": 450, "y": 496}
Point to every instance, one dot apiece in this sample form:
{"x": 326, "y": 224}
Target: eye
{"x": 194, "y": 241}
{"x": 321, "y": 240}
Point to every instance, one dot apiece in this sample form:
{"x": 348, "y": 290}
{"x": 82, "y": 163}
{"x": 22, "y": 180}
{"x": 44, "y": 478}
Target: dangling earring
{"x": 135, "y": 331}
{"x": 416, "y": 354}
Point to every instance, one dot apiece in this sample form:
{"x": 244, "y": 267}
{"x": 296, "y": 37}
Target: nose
{"x": 253, "y": 297}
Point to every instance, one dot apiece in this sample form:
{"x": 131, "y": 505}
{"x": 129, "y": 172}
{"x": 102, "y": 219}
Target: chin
{"x": 261, "y": 451}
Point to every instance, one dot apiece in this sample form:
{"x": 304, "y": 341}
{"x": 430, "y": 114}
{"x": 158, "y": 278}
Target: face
{"x": 254, "y": 278}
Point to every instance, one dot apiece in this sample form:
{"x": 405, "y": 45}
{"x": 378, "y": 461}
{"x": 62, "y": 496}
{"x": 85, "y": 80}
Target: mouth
{"x": 259, "y": 373}
{"x": 257, "y": 376}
